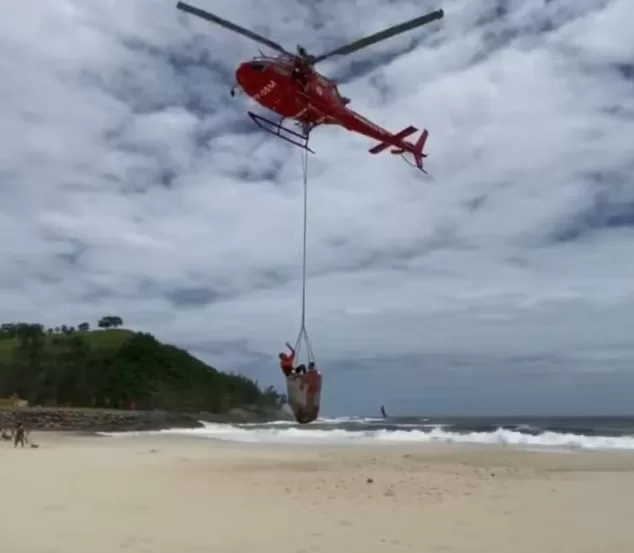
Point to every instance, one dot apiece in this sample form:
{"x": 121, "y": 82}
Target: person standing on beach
{"x": 19, "y": 435}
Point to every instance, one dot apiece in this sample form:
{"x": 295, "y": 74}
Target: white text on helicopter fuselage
{"x": 266, "y": 89}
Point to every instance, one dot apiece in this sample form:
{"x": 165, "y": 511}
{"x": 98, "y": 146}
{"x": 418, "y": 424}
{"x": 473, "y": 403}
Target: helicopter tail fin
{"x": 415, "y": 149}
{"x": 400, "y": 145}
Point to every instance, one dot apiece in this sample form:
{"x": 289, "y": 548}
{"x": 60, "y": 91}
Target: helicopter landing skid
{"x": 299, "y": 139}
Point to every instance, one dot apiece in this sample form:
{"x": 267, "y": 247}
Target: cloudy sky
{"x": 133, "y": 184}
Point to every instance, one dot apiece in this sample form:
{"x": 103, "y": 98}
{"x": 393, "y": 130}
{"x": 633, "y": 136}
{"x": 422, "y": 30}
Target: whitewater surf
{"x": 572, "y": 433}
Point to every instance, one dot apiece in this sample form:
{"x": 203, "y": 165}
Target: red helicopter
{"x": 289, "y": 86}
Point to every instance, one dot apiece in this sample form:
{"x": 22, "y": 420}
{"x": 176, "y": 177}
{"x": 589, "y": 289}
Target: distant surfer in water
{"x": 383, "y": 413}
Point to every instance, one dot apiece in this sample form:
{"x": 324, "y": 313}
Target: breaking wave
{"x": 338, "y": 431}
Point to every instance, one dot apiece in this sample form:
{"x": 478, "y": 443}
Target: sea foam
{"x": 285, "y": 433}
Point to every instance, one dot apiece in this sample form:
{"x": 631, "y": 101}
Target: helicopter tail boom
{"x": 393, "y": 140}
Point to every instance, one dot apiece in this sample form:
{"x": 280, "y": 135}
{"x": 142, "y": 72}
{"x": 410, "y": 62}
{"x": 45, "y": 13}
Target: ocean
{"x": 547, "y": 433}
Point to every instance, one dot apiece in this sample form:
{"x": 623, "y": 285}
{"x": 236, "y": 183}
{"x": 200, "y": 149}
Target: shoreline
{"x": 463, "y": 453}
{"x": 120, "y": 423}
{"x": 367, "y": 445}
{"x": 465, "y": 450}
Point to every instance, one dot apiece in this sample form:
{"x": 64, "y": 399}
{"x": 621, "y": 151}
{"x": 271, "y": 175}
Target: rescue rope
{"x": 303, "y": 333}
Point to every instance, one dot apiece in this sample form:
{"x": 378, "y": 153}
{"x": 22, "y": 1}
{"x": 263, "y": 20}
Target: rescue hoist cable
{"x": 303, "y": 333}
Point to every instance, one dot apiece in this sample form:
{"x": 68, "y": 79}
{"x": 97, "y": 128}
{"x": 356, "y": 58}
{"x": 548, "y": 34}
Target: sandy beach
{"x": 180, "y": 494}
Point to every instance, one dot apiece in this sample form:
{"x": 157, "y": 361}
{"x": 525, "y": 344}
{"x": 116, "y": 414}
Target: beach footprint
{"x": 54, "y": 507}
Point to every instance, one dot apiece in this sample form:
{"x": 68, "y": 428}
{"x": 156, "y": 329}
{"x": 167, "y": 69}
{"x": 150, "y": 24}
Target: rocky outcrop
{"x": 112, "y": 420}
{"x": 94, "y": 420}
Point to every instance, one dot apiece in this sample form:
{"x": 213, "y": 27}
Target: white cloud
{"x": 130, "y": 180}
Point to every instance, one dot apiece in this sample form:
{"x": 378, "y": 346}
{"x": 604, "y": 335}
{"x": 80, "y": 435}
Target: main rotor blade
{"x": 228, "y": 25}
{"x": 382, "y": 35}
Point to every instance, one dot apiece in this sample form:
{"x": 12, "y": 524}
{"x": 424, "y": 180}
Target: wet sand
{"x": 79, "y": 494}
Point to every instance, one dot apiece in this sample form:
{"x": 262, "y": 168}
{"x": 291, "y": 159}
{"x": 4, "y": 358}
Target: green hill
{"x": 108, "y": 339}
{"x": 116, "y": 368}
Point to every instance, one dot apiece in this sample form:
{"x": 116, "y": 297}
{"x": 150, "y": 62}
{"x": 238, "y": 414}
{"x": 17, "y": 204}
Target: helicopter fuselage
{"x": 282, "y": 87}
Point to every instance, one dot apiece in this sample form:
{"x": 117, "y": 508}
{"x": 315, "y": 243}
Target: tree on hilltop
{"x": 110, "y": 321}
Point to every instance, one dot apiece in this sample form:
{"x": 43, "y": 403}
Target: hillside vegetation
{"x": 116, "y": 368}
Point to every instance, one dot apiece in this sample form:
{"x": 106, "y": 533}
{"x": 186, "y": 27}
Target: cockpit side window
{"x": 258, "y": 66}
